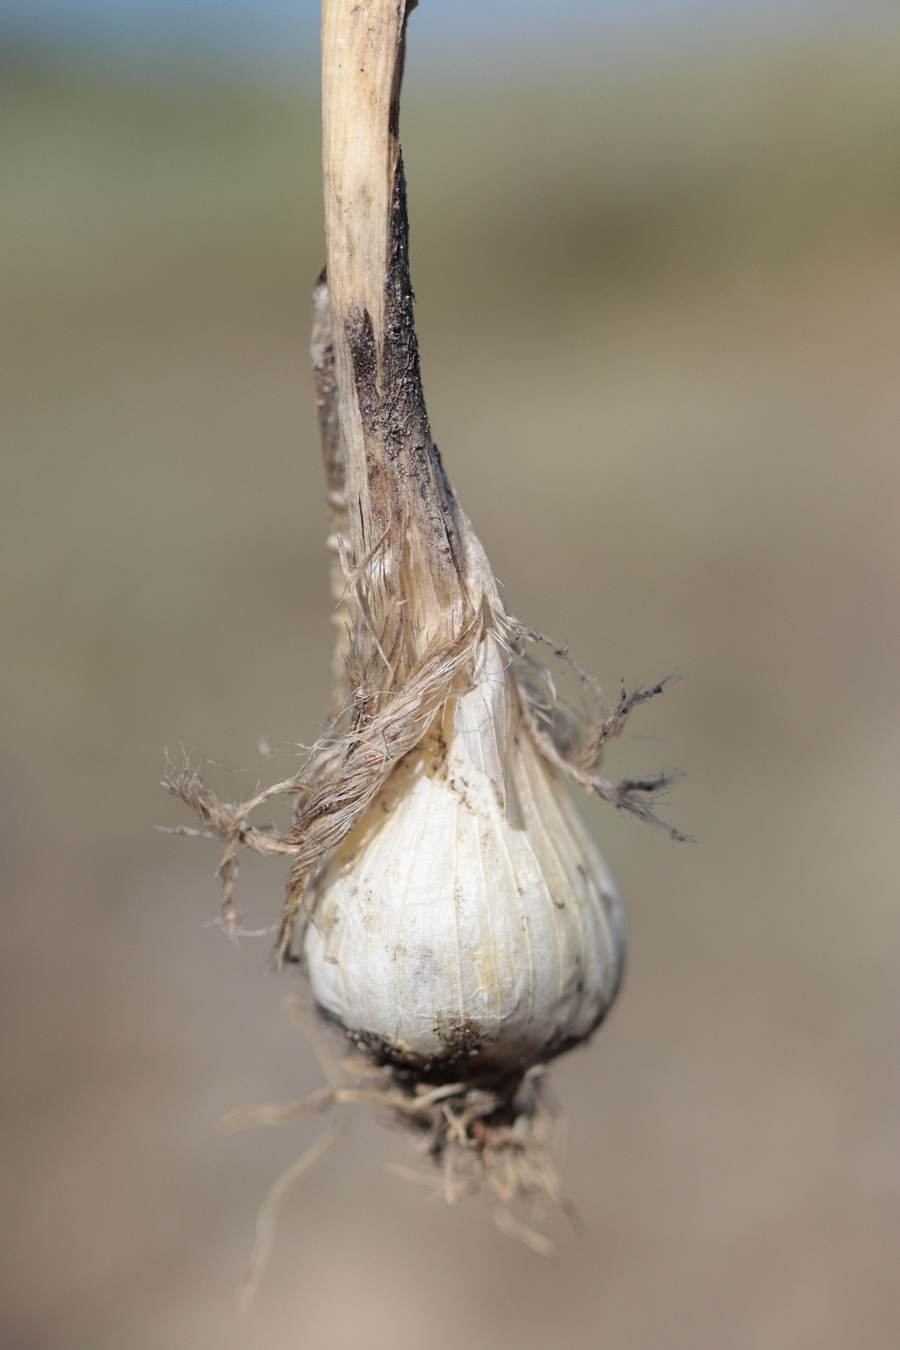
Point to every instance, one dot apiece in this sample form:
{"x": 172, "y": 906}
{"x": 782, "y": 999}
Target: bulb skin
{"x": 468, "y": 921}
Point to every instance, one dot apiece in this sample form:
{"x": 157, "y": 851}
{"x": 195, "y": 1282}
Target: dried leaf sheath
{"x": 426, "y": 576}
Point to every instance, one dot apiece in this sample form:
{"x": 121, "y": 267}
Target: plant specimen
{"x": 453, "y": 916}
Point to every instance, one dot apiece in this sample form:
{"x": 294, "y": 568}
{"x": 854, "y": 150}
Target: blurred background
{"x": 656, "y": 256}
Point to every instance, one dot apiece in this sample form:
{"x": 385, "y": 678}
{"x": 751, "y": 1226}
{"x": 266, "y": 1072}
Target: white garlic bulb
{"x": 467, "y": 920}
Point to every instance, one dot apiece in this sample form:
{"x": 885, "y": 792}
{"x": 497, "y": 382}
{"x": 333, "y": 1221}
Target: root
{"x": 481, "y": 1139}
{"x": 574, "y": 744}
{"x": 271, "y": 1207}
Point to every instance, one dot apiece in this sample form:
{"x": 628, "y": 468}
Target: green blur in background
{"x": 659, "y": 313}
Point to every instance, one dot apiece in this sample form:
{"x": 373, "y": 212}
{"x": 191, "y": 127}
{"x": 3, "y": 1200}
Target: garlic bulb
{"x": 468, "y": 921}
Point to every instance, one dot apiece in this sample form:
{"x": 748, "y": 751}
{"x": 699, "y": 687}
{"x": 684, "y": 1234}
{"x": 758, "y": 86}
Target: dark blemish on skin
{"x": 460, "y": 1062}
{"x": 462, "y": 1038}
{"x": 459, "y": 899}
{"x": 459, "y": 788}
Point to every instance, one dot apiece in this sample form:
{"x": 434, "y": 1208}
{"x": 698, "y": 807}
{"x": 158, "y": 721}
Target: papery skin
{"x": 468, "y": 920}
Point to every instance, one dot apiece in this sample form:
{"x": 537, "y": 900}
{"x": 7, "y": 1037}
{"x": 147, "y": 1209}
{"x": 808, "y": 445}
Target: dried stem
{"x": 426, "y": 574}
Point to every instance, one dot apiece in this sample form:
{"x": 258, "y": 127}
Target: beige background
{"x": 660, "y": 319}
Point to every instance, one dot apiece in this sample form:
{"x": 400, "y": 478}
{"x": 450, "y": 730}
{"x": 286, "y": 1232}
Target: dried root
{"x": 574, "y": 746}
{"x": 483, "y": 1139}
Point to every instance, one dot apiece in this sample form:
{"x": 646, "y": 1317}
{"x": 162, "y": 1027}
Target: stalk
{"x": 405, "y": 521}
